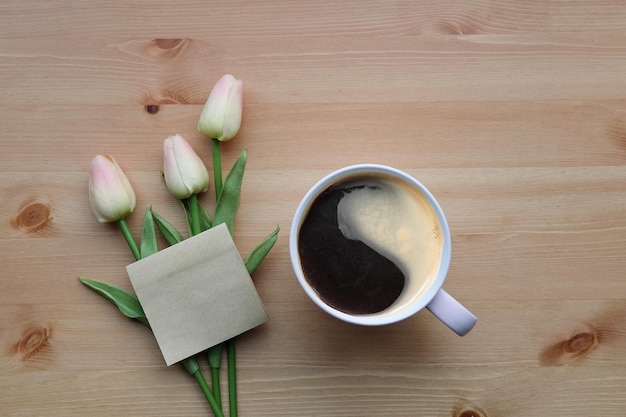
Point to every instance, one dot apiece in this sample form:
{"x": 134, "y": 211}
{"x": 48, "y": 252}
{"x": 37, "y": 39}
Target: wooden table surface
{"x": 512, "y": 112}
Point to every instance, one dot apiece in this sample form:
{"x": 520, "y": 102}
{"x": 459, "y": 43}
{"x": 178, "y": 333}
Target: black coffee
{"x": 370, "y": 242}
{"x": 347, "y": 274}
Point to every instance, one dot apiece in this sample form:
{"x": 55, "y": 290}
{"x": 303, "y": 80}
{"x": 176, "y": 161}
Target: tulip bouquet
{"x": 112, "y": 199}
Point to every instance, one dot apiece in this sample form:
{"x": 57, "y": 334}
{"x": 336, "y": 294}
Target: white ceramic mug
{"x": 431, "y": 295}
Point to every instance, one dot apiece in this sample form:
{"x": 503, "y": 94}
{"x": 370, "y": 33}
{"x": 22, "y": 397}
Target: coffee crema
{"x": 370, "y": 243}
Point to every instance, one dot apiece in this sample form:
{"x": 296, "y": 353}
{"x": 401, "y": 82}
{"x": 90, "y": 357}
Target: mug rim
{"x": 369, "y": 319}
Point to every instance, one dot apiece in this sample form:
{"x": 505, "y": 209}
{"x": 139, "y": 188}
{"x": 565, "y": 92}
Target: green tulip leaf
{"x": 148, "y": 236}
{"x": 127, "y": 303}
{"x": 185, "y": 205}
{"x": 256, "y": 256}
{"x": 205, "y": 220}
{"x": 169, "y": 232}
{"x": 228, "y": 202}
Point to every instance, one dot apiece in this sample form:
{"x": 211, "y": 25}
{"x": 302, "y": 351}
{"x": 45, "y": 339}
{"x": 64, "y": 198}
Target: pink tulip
{"x": 221, "y": 116}
{"x": 185, "y": 173}
{"x": 110, "y": 194}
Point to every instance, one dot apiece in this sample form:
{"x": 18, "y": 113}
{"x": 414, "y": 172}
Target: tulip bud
{"x": 221, "y": 115}
{"x": 110, "y": 194}
{"x": 185, "y": 173}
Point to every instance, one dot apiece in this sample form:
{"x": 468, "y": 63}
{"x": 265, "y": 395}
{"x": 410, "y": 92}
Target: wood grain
{"x": 512, "y": 112}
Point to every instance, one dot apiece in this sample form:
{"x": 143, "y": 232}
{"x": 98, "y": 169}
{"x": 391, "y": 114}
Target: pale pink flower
{"x": 184, "y": 171}
{"x": 110, "y": 194}
{"x": 221, "y": 116}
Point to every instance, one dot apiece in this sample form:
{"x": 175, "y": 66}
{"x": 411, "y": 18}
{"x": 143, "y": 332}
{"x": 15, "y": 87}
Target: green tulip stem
{"x": 232, "y": 378}
{"x": 217, "y": 167}
{"x": 130, "y": 240}
{"x": 194, "y": 210}
{"x": 215, "y": 363}
{"x": 208, "y": 394}
{"x": 215, "y": 382}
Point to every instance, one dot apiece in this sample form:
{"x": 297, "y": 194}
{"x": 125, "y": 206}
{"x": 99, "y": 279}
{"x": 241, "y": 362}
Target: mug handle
{"x": 452, "y": 313}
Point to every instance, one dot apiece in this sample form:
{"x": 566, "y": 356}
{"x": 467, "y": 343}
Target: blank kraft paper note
{"x": 196, "y": 294}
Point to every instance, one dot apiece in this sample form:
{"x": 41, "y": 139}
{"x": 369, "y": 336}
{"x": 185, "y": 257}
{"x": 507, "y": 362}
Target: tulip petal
{"x": 234, "y": 110}
{"x": 132, "y": 199}
{"x": 173, "y": 177}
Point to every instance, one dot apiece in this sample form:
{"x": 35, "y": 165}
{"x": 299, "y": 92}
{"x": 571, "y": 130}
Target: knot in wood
{"x": 580, "y": 343}
{"x": 168, "y": 43}
{"x": 152, "y": 103}
{"x": 33, "y": 217}
{"x": 152, "y": 108}
{"x": 469, "y": 413}
{"x": 573, "y": 349}
{"x": 33, "y": 341}
{"x": 166, "y": 49}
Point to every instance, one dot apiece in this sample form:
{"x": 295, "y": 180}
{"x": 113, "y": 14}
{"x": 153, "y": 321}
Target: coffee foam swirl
{"x": 398, "y": 222}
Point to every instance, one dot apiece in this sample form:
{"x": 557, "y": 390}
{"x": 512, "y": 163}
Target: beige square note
{"x": 196, "y": 294}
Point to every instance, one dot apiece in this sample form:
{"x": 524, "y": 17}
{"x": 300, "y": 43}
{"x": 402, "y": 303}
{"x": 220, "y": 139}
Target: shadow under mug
{"x": 433, "y": 297}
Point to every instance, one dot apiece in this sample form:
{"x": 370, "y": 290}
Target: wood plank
{"x": 499, "y": 372}
{"x": 268, "y": 18}
{"x": 144, "y": 70}
{"x": 407, "y": 135}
